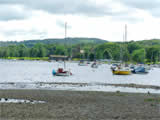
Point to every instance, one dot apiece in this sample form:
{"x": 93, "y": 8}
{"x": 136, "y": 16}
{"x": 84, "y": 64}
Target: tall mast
{"x": 125, "y": 40}
{"x": 125, "y": 37}
{"x": 65, "y": 34}
{"x": 65, "y": 41}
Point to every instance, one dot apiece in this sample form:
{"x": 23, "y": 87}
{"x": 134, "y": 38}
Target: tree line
{"x": 129, "y": 51}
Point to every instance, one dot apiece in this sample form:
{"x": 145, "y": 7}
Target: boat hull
{"x": 63, "y": 74}
{"x": 94, "y": 66}
{"x": 140, "y": 70}
{"x": 118, "y": 72}
{"x": 82, "y": 64}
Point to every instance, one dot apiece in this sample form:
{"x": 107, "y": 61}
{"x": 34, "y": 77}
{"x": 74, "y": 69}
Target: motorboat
{"x": 140, "y": 70}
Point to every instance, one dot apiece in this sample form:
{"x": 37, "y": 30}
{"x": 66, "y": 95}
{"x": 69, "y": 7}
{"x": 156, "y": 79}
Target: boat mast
{"x": 65, "y": 31}
{"x": 65, "y": 42}
{"x": 125, "y": 40}
{"x": 125, "y": 37}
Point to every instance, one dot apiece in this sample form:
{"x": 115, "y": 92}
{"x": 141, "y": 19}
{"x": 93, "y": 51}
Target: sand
{"x": 76, "y": 105}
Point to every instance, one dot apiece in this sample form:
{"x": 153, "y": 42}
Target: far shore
{"x": 26, "y": 58}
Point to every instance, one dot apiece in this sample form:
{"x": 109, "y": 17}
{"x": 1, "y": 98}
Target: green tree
{"x": 23, "y": 51}
{"x": 139, "y": 55}
{"x": 6, "y": 52}
{"x": 60, "y": 50}
{"x": 133, "y": 46}
{"x": 153, "y": 53}
{"x": 34, "y": 52}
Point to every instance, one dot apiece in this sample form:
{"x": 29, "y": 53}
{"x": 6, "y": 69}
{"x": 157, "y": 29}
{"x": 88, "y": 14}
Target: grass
{"x": 26, "y": 58}
{"x": 76, "y": 59}
{"x": 152, "y": 100}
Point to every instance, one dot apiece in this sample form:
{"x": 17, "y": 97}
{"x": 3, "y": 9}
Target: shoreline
{"x": 69, "y": 86}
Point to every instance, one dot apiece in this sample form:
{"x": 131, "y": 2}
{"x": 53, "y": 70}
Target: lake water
{"x": 38, "y": 75}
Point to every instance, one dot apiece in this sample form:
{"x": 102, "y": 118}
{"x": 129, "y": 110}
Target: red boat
{"x": 61, "y": 72}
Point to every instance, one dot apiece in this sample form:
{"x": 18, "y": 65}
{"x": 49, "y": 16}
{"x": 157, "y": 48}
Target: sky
{"x": 104, "y": 19}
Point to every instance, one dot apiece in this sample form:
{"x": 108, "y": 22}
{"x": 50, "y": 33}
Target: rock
{"x": 116, "y": 117}
{"x": 117, "y": 91}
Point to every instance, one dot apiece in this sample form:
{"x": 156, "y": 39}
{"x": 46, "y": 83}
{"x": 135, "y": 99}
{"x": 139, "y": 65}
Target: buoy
{"x": 53, "y": 72}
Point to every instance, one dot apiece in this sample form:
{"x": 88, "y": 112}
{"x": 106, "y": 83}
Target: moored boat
{"x": 114, "y": 66}
{"x": 121, "y": 71}
{"x": 61, "y": 72}
{"x": 94, "y": 65}
{"x": 82, "y": 63}
{"x": 140, "y": 70}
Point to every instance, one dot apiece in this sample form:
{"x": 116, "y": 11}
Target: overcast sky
{"x": 105, "y": 19}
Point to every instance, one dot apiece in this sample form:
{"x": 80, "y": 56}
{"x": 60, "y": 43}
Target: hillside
{"x": 31, "y": 43}
{"x": 73, "y": 41}
{"x": 149, "y": 42}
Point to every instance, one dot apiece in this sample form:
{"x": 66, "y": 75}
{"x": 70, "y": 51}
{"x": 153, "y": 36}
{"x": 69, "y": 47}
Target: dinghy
{"x": 61, "y": 72}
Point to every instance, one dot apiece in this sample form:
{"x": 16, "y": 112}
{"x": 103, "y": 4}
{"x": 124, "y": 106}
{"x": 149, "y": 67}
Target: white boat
{"x": 82, "y": 63}
{"x": 94, "y": 65}
{"x": 114, "y": 66}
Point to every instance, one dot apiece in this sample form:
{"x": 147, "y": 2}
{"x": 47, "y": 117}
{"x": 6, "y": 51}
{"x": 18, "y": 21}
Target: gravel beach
{"x": 75, "y": 105}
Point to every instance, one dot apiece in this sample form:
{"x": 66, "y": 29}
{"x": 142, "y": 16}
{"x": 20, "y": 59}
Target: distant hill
{"x": 149, "y": 42}
{"x": 71, "y": 41}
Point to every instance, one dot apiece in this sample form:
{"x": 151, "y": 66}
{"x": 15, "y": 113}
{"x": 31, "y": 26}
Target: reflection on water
{"x": 30, "y": 72}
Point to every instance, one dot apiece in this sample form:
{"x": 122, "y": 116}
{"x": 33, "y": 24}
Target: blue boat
{"x": 140, "y": 70}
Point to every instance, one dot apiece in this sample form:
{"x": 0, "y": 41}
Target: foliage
{"x": 139, "y": 55}
{"x": 140, "y": 51}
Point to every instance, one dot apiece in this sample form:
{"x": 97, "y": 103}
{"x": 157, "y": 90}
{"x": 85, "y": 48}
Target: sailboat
{"x": 94, "y": 65}
{"x": 122, "y": 69}
{"x": 82, "y": 62}
{"x": 62, "y": 71}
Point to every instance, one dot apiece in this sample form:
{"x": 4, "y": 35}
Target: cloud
{"x": 83, "y": 7}
{"x": 10, "y": 12}
{"x": 21, "y": 34}
{"x": 21, "y": 9}
{"x": 148, "y": 5}
{"x": 29, "y": 19}
{"x": 86, "y": 7}
{"x": 62, "y": 24}
{"x": 142, "y": 4}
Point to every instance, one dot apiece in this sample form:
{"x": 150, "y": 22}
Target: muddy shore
{"x": 75, "y": 105}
